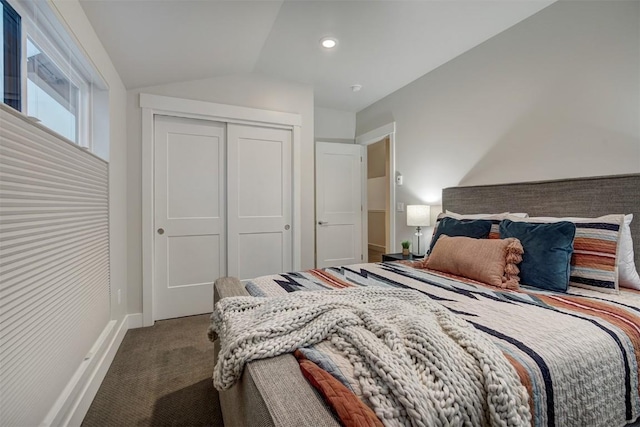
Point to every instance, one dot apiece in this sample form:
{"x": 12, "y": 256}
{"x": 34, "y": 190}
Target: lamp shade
{"x": 418, "y": 215}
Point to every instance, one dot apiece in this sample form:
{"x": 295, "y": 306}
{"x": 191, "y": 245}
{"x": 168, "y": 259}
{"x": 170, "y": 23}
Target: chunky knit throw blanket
{"x": 417, "y": 363}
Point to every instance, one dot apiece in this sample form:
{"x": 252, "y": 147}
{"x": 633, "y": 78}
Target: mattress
{"x": 576, "y": 353}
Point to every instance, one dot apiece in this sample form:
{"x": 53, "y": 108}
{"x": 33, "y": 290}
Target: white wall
{"x": 78, "y": 23}
{"x": 555, "y": 96}
{"x": 245, "y": 90}
{"x": 332, "y": 125}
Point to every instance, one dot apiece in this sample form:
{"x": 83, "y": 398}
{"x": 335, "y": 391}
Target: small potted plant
{"x": 405, "y": 247}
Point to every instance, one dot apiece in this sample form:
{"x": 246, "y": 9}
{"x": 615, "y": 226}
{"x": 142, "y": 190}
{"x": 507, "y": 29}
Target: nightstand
{"x": 400, "y": 257}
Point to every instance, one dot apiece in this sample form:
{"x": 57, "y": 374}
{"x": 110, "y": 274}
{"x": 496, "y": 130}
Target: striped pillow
{"x": 594, "y": 263}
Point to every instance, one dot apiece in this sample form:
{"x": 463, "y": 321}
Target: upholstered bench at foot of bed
{"x": 271, "y": 392}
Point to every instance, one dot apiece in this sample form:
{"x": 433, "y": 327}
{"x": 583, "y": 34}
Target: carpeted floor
{"x": 161, "y": 376}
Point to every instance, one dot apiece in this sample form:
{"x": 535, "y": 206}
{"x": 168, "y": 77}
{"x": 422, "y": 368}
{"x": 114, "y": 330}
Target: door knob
{"x": 286, "y": 227}
{"x": 160, "y": 230}
{"x": 322, "y": 223}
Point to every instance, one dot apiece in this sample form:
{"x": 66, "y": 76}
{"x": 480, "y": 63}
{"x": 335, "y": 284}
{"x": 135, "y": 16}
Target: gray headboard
{"x": 580, "y": 197}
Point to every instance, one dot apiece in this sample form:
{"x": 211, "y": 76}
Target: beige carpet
{"x": 161, "y": 376}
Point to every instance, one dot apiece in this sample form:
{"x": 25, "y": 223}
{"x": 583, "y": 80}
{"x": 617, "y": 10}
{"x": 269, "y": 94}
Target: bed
{"x": 560, "y": 378}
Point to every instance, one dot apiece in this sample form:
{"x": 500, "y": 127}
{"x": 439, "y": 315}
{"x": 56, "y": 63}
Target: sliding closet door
{"x": 190, "y": 241}
{"x": 259, "y": 201}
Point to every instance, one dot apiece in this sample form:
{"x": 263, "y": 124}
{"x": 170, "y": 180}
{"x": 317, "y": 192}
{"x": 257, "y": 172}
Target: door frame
{"x": 153, "y": 105}
{"x": 368, "y": 138}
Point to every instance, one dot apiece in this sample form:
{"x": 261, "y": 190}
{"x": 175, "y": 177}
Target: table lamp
{"x": 418, "y": 216}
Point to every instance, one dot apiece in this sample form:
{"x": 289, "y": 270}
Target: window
{"x": 10, "y": 40}
{"x": 47, "y": 77}
{"x": 51, "y": 97}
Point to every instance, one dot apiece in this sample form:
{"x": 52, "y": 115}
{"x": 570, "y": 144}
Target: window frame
{"x": 50, "y": 36}
{"x": 83, "y": 114}
{"x": 17, "y": 104}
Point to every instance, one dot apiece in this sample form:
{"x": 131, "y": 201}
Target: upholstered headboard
{"x": 580, "y": 197}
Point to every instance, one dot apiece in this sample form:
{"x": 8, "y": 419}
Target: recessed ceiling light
{"x": 329, "y": 42}
{"x": 356, "y": 87}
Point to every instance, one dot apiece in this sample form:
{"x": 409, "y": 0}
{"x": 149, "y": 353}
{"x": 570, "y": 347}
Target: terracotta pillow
{"x": 491, "y": 261}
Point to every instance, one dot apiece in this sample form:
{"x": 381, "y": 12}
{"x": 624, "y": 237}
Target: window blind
{"x": 54, "y": 264}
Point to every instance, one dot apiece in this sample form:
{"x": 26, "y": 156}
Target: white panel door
{"x": 190, "y": 241}
{"x": 338, "y": 204}
{"x": 259, "y": 201}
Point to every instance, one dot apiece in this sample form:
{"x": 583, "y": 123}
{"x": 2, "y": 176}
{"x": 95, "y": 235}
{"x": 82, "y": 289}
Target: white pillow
{"x": 485, "y": 216}
{"x": 627, "y": 272}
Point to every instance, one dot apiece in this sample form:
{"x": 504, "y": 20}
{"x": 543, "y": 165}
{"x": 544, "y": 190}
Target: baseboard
{"x": 135, "y": 320}
{"x": 73, "y": 404}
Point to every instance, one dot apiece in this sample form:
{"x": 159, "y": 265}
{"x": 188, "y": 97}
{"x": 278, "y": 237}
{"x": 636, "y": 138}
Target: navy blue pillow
{"x": 547, "y": 252}
{"x": 476, "y": 228}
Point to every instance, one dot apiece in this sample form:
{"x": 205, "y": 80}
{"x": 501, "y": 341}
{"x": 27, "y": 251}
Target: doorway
{"x": 378, "y": 199}
{"x": 337, "y": 192}
{"x": 382, "y": 192}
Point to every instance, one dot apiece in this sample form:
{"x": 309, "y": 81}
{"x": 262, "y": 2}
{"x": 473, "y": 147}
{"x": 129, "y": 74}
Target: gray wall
{"x": 555, "y": 96}
{"x": 332, "y": 125}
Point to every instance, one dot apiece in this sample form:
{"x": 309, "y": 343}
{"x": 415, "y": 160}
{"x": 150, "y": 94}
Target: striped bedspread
{"x": 576, "y": 353}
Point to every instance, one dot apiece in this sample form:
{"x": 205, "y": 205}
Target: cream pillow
{"x": 627, "y": 271}
{"x": 500, "y": 216}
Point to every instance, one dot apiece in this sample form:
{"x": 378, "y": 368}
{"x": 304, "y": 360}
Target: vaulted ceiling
{"x": 382, "y": 45}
